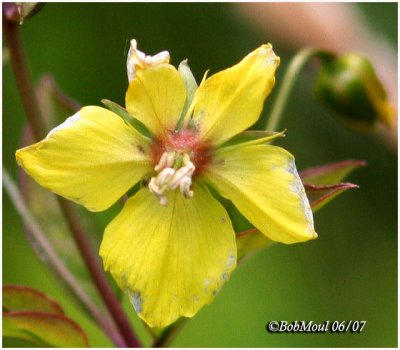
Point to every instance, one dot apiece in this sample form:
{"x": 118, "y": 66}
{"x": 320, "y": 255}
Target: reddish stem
{"x": 30, "y": 103}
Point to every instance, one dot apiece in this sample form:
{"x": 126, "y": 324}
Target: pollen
{"x": 175, "y": 170}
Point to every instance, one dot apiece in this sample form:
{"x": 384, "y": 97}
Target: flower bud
{"x": 348, "y": 84}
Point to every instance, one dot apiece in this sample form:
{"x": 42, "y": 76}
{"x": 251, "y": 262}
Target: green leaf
{"x": 319, "y": 196}
{"x": 22, "y": 298}
{"x": 330, "y": 174}
{"x": 44, "y": 329}
{"x": 122, "y": 112}
{"x": 323, "y": 183}
{"x": 321, "y": 188}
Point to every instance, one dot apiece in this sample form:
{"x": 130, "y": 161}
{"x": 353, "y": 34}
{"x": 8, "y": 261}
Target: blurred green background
{"x": 349, "y": 273}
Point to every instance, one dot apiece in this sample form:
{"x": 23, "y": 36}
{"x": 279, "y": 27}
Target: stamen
{"x": 166, "y": 161}
{"x": 182, "y": 173}
{"x": 165, "y": 176}
{"x": 175, "y": 170}
{"x": 184, "y": 187}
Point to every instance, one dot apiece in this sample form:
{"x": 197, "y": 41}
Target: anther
{"x": 175, "y": 170}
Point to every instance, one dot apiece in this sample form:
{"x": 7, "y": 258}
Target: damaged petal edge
{"x": 66, "y": 124}
{"x": 136, "y": 300}
{"x": 298, "y": 188}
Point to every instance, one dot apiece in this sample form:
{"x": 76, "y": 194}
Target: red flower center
{"x": 183, "y": 141}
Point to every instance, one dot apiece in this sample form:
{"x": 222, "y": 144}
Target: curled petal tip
{"x": 137, "y": 60}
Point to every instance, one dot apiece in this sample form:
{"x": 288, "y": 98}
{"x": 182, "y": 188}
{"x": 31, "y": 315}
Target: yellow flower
{"x": 172, "y": 246}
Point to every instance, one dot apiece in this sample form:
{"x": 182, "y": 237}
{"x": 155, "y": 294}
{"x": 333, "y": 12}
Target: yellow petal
{"x": 262, "y": 182}
{"x": 92, "y": 158}
{"x": 170, "y": 260}
{"x": 156, "y": 97}
{"x": 138, "y": 60}
{"x": 231, "y": 101}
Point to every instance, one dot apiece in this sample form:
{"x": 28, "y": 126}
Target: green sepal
{"x": 253, "y": 137}
{"x": 191, "y": 87}
{"x": 122, "y": 112}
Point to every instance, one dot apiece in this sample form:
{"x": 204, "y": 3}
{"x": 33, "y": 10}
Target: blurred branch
{"x": 20, "y": 68}
{"x": 55, "y": 262}
{"x": 48, "y": 86}
{"x": 29, "y": 100}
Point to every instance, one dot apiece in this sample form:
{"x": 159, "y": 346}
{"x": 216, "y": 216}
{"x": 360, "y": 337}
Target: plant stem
{"x": 20, "y": 68}
{"x": 29, "y": 100}
{"x": 292, "y": 72}
{"x": 56, "y": 263}
{"x": 169, "y": 333}
{"x": 98, "y": 276}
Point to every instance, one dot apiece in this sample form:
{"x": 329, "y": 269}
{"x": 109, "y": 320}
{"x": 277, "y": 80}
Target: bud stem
{"x": 292, "y": 72}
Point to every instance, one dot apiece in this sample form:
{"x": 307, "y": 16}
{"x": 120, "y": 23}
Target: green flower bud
{"x": 348, "y": 84}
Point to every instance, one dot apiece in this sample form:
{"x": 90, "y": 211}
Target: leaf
{"x": 322, "y": 186}
{"x": 330, "y": 174}
{"x": 323, "y": 183}
{"x": 22, "y": 298}
{"x": 44, "y": 329}
{"x": 321, "y": 195}
{"x": 31, "y": 315}
{"x": 122, "y": 112}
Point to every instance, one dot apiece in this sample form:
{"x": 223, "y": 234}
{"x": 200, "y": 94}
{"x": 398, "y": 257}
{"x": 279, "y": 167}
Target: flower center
{"x": 174, "y": 169}
{"x": 179, "y": 156}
